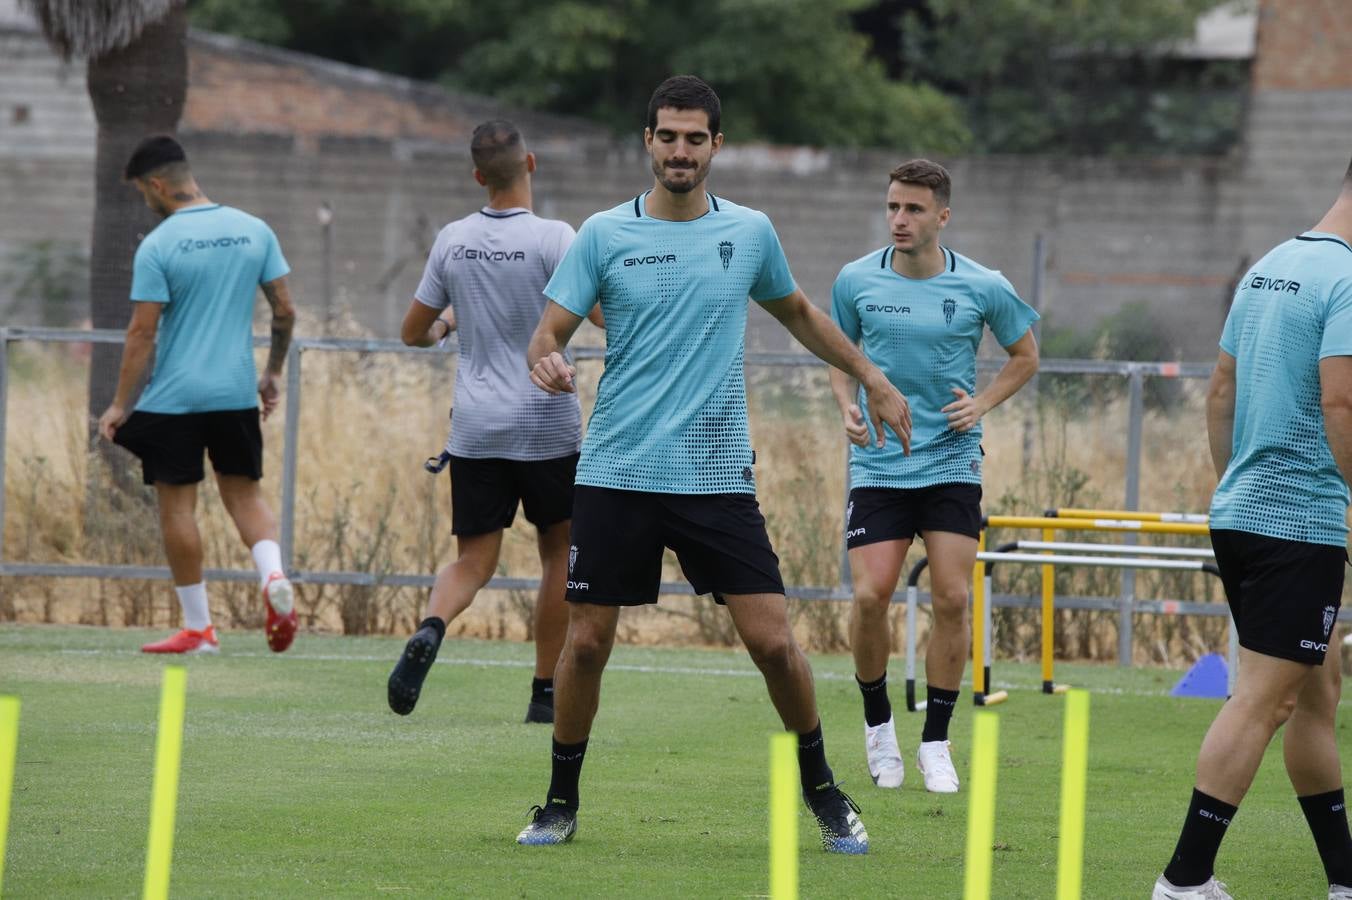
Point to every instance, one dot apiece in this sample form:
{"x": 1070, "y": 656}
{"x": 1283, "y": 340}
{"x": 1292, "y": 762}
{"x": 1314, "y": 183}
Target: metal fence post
{"x": 4, "y": 415}
{"x": 289, "y": 451}
{"x": 1131, "y": 500}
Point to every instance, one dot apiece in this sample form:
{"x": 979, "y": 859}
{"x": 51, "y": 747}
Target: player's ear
{"x": 530, "y": 163}
{"x": 648, "y": 139}
{"x": 944, "y": 215}
{"x": 479, "y": 177}
{"x": 716, "y": 143}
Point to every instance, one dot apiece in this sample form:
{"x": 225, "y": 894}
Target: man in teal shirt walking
{"x": 194, "y": 282}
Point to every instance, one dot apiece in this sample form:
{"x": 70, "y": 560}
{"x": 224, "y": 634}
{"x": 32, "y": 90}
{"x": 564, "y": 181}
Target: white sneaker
{"x": 1212, "y": 890}
{"x": 936, "y": 764}
{"x": 1340, "y": 892}
{"x": 884, "y": 757}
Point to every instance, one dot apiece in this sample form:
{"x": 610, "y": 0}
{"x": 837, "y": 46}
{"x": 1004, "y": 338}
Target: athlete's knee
{"x": 588, "y": 648}
{"x": 950, "y": 607}
{"x": 773, "y": 651}
{"x": 871, "y": 602}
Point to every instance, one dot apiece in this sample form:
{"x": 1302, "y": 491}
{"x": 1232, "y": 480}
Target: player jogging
{"x": 919, "y": 311}
{"x": 509, "y": 442}
{"x": 1279, "y": 418}
{"x": 194, "y": 281}
{"x": 667, "y": 460}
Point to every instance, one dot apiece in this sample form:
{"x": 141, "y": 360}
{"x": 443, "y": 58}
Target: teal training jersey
{"x": 924, "y": 335}
{"x": 670, "y": 414}
{"x": 1293, "y": 308}
{"x": 205, "y": 264}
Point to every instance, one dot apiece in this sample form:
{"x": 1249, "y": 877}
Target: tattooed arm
{"x": 283, "y": 320}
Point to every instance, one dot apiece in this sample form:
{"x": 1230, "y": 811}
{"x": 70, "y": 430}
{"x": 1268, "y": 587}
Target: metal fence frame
{"x": 1126, "y": 605}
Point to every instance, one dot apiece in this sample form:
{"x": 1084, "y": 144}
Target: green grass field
{"x": 298, "y": 781}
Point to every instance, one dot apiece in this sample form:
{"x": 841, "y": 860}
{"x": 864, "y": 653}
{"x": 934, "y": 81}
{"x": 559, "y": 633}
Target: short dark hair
{"x": 498, "y": 152}
{"x": 686, "y": 92}
{"x": 928, "y": 174}
{"x": 153, "y": 154}
{"x": 1347, "y": 176}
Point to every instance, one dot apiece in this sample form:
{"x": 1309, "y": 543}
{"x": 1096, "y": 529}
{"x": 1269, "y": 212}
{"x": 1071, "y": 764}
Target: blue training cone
{"x": 1208, "y": 677}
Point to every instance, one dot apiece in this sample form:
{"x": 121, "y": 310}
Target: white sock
{"x": 193, "y": 599}
{"x": 268, "y": 558}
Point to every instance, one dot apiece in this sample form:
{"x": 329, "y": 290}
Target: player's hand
{"x": 111, "y": 421}
{"x": 964, "y": 412}
{"x": 887, "y": 404}
{"x": 552, "y": 374}
{"x": 855, "y": 429}
{"x": 270, "y": 392}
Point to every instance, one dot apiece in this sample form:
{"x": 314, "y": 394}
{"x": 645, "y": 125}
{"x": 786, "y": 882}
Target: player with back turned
{"x": 1279, "y": 419}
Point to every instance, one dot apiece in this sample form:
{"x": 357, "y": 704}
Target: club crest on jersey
{"x": 572, "y": 558}
{"x": 725, "y": 249}
{"x": 950, "y": 307}
{"x": 1329, "y": 615}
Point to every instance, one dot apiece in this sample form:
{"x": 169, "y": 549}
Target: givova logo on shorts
{"x": 572, "y": 561}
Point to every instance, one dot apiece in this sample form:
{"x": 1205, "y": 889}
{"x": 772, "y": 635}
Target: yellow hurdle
{"x": 1049, "y": 685}
{"x": 1130, "y": 515}
{"x": 981, "y": 808}
{"x": 1098, "y": 524}
{"x": 9, "y": 749}
{"x": 784, "y": 816}
{"x": 1074, "y": 769}
{"x": 164, "y": 793}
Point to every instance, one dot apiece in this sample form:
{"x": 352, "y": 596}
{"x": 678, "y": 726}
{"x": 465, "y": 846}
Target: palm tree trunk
{"x": 136, "y": 91}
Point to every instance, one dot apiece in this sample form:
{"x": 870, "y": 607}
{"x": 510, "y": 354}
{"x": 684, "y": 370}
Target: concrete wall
{"x": 279, "y": 133}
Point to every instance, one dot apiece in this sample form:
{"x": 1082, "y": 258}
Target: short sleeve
{"x": 1230, "y": 331}
{"x": 274, "y": 263}
{"x": 1008, "y": 317}
{"x": 556, "y": 244}
{"x": 1337, "y": 339}
{"x": 432, "y": 290}
{"x": 775, "y": 281}
{"x": 576, "y": 282}
{"x": 149, "y": 283}
{"x": 844, "y": 312}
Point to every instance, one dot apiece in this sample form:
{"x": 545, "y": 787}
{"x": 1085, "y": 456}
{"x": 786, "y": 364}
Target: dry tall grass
{"x": 365, "y": 504}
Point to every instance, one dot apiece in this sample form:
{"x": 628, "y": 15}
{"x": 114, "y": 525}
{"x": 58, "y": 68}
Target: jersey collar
{"x": 640, "y": 202}
{"x": 949, "y": 256}
{"x": 504, "y": 213}
{"x": 1324, "y": 236}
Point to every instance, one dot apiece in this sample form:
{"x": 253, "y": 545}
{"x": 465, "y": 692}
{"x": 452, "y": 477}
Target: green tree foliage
{"x": 1076, "y": 76}
{"x": 791, "y": 71}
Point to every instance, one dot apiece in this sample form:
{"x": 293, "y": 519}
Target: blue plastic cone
{"x": 1208, "y": 677}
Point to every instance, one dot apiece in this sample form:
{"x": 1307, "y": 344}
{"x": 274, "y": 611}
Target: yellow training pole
{"x": 1074, "y": 768}
{"x": 979, "y": 624}
{"x": 784, "y": 816}
{"x": 9, "y": 748}
{"x": 164, "y": 794}
{"x": 1048, "y": 618}
{"x": 981, "y": 809}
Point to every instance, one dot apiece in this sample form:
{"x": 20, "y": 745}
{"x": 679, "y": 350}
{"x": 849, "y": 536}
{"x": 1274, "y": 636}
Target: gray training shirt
{"x": 492, "y": 267}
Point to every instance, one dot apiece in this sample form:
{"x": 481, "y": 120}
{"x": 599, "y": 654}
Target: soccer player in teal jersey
{"x": 194, "y": 282}
{"x": 667, "y": 459}
{"x": 919, "y": 311}
{"x": 1279, "y": 419}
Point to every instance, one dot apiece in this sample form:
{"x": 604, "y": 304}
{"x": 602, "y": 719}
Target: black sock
{"x": 1327, "y": 815}
{"x": 1195, "y": 856}
{"x": 567, "y": 770}
{"x": 812, "y": 768}
{"x": 436, "y": 624}
{"x": 939, "y": 706}
{"x": 542, "y": 691}
{"x": 877, "y": 708}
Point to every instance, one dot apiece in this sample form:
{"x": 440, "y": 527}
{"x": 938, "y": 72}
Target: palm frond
{"x": 94, "y": 28}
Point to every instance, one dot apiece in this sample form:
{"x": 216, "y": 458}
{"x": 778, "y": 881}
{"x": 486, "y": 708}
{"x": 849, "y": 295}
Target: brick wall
{"x": 1303, "y": 45}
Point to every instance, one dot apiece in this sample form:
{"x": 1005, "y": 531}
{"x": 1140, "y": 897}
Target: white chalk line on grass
{"x": 613, "y": 667}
